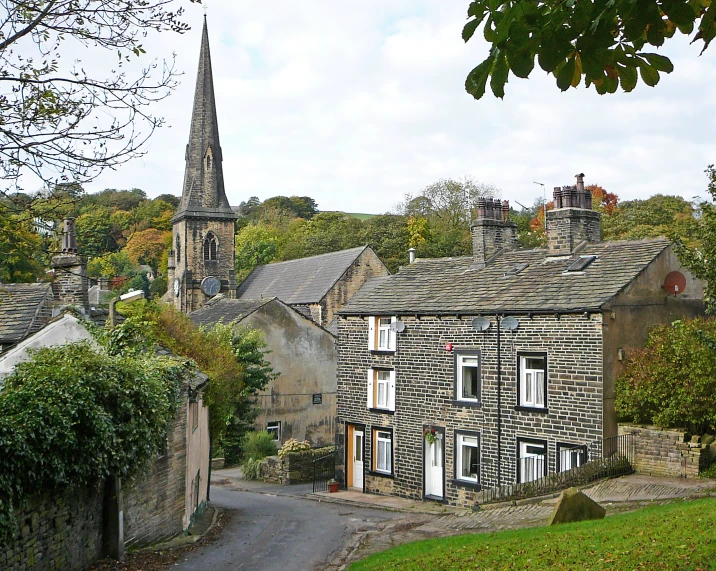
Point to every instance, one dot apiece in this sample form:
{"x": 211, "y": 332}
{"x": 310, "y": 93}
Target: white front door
{"x": 434, "y": 469}
{"x": 357, "y": 459}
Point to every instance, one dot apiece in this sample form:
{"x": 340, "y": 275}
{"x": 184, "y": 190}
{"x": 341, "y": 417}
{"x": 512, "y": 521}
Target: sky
{"x": 356, "y": 104}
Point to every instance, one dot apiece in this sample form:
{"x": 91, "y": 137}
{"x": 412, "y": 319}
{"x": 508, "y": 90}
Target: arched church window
{"x": 208, "y": 162}
{"x": 178, "y": 249}
{"x": 210, "y": 247}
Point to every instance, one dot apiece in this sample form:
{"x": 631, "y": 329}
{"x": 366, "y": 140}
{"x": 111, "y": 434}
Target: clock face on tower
{"x": 177, "y": 287}
{"x": 211, "y": 286}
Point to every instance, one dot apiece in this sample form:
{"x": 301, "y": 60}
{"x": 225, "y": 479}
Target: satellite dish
{"x": 481, "y": 324}
{"x": 510, "y": 323}
{"x": 397, "y": 326}
{"x": 675, "y": 283}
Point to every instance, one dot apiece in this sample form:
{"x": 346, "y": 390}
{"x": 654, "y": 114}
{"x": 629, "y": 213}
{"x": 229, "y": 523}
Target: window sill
{"x": 381, "y": 474}
{"x": 382, "y": 351}
{"x": 467, "y": 403}
{"x": 536, "y": 409}
{"x": 381, "y": 410}
{"x": 466, "y": 484}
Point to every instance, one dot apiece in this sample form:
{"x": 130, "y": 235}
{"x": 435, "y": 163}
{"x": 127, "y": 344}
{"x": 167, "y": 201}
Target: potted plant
{"x": 332, "y": 485}
{"x": 430, "y": 435}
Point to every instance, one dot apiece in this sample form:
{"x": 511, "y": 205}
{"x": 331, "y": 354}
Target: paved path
{"x": 278, "y": 528}
{"x": 272, "y": 532}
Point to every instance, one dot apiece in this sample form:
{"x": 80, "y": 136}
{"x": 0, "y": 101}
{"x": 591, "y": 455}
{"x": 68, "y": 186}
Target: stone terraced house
{"x": 461, "y": 374}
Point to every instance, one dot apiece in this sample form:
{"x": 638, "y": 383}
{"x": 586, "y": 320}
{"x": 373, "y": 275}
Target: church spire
{"x": 203, "y": 193}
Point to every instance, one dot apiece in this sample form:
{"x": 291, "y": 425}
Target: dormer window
{"x": 210, "y": 248}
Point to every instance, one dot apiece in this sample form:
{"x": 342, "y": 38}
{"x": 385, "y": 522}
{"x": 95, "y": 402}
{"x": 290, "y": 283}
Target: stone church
{"x": 201, "y": 263}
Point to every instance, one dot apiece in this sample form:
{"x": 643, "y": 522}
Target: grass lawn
{"x": 681, "y": 535}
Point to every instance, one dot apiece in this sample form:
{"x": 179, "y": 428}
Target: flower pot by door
{"x": 333, "y": 487}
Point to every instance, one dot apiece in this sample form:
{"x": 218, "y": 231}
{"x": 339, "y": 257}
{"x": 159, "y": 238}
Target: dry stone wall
{"x": 666, "y": 453}
{"x": 62, "y": 531}
{"x": 296, "y": 468}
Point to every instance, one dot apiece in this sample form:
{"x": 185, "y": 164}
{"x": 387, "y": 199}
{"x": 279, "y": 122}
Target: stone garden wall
{"x": 62, "y": 532}
{"x": 294, "y": 468}
{"x": 666, "y": 453}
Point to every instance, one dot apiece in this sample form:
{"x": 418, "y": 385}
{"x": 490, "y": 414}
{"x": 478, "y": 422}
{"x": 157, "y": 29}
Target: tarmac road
{"x": 281, "y": 533}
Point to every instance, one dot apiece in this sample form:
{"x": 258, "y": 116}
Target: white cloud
{"x": 357, "y": 104}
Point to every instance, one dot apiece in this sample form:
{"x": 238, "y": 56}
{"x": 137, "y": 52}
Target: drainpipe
{"x": 499, "y": 406}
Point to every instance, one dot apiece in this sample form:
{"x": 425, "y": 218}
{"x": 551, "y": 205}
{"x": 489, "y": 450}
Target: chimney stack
{"x": 492, "y": 231}
{"x": 572, "y": 221}
{"x": 70, "y": 284}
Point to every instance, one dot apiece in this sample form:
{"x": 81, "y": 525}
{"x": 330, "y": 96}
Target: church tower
{"x": 201, "y": 263}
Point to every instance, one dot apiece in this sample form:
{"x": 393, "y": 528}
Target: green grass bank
{"x": 677, "y": 536}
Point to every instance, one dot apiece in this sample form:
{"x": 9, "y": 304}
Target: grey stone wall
{"x": 666, "y": 453}
{"x": 568, "y": 227}
{"x": 295, "y": 468}
{"x": 425, "y": 394}
{"x": 60, "y": 531}
{"x": 367, "y": 266}
{"x": 304, "y": 355}
{"x": 154, "y": 505}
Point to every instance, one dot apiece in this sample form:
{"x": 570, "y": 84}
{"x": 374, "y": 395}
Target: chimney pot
{"x": 69, "y": 239}
{"x": 505, "y": 210}
{"x": 411, "y": 255}
{"x": 481, "y": 208}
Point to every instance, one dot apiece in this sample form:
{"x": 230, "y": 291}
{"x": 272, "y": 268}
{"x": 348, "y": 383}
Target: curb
{"x": 182, "y": 540}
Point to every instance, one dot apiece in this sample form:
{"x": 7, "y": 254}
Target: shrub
{"x": 672, "y": 381}
{"x": 72, "y": 415}
{"x": 293, "y": 445}
{"x": 258, "y": 445}
{"x": 251, "y": 469}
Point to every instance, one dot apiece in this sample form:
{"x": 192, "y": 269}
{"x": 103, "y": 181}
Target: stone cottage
{"x": 465, "y": 373}
{"x": 317, "y": 286}
{"x": 301, "y": 402}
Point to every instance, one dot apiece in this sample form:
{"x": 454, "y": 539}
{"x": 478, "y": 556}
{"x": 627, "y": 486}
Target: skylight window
{"x": 581, "y": 263}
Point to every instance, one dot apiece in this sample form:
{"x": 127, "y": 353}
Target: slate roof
{"x": 451, "y": 285}
{"x": 21, "y": 306}
{"x": 306, "y": 280}
{"x": 225, "y": 310}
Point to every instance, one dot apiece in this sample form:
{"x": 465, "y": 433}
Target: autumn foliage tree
{"x": 148, "y": 246}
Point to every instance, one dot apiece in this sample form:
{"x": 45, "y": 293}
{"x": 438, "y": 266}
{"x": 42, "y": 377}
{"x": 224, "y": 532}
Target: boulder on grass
{"x": 573, "y": 505}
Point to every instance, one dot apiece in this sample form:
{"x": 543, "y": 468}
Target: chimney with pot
{"x": 572, "y": 222}
{"x": 70, "y": 284}
{"x": 492, "y": 231}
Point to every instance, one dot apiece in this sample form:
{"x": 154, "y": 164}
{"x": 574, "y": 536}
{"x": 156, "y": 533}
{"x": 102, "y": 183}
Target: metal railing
{"x": 605, "y": 458}
{"x": 324, "y": 469}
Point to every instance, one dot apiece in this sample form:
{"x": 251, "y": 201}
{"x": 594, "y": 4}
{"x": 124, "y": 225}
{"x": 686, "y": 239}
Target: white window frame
{"x": 538, "y": 468}
{"x": 533, "y": 381}
{"x": 466, "y": 440}
{"x": 374, "y": 386}
{"x": 564, "y": 451}
{"x": 375, "y": 327}
{"x": 383, "y": 451}
{"x": 274, "y": 427}
{"x": 460, "y": 358}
